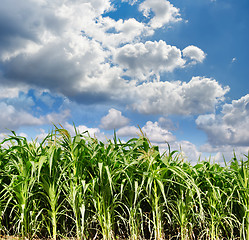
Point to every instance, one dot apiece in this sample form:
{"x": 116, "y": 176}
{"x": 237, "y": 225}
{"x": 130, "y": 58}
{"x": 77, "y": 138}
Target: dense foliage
{"x": 82, "y": 188}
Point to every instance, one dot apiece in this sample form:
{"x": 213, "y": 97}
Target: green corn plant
{"x": 76, "y": 184}
{"x": 157, "y": 199}
{"x": 130, "y": 180}
{"x": 241, "y": 174}
{"x": 102, "y": 189}
{"x": 2, "y": 203}
{"x": 51, "y": 183}
{"x": 19, "y": 189}
{"x": 217, "y": 187}
{"x": 103, "y": 199}
{"x": 186, "y": 204}
{"x": 133, "y": 198}
{"x": 147, "y": 158}
{"x": 78, "y": 187}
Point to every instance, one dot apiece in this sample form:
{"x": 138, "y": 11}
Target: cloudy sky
{"x": 178, "y": 69}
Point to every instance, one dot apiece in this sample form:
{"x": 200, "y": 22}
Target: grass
{"x": 78, "y": 187}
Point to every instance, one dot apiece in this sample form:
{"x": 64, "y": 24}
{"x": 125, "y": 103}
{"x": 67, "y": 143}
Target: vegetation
{"x": 78, "y": 187}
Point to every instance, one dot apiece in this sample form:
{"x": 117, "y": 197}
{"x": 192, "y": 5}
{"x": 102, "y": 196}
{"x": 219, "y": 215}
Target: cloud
{"x": 160, "y": 136}
{"x": 194, "y": 53}
{"x": 153, "y": 130}
{"x": 234, "y": 59}
{"x": 93, "y": 132}
{"x": 157, "y": 134}
{"x": 41, "y": 136}
{"x": 131, "y": 2}
{"x": 72, "y": 49}
{"x": 113, "y": 33}
{"x": 199, "y": 95}
{"x": 52, "y": 66}
{"x": 128, "y": 131}
{"x": 230, "y": 127}
{"x": 12, "y": 118}
{"x": 186, "y": 150}
{"x": 45, "y": 97}
{"x": 113, "y": 120}
{"x": 163, "y": 12}
{"x": 62, "y": 48}
{"x": 220, "y": 153}
{"x": 11, "y": 91}
{"x": 143, "y": 60}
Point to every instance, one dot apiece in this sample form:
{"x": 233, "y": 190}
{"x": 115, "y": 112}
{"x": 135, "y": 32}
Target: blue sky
{"x": 178, "y": 69}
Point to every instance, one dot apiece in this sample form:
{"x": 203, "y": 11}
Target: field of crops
{"x": 78, "y": 187}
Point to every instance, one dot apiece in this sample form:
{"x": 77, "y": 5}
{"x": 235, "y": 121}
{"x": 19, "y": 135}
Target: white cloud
{"x": 186, "y": 150}
{"x": 41, "y": 136}
{"x": 200, "y": 95}
{"x": 113, "y": 120}
{"x": 128, "y": 131}
{"x": 160, "y": 136}
{"x": 73, "y": 50}
{"x": 10, "y": 91}
{"x": 157, "y": 134}
{"x": 143, "y": 60}
{"x": 189, "y": 151}
{"x": 194, "y": 53}
{"x": 56, "y": 117}
{"x": 12, "y": 118}
{"x": 230, "y": 127}
{"x": 234, "y": 59}
{"x": 131, "y": 2}
{"x": 153, "y": 130}
{"x": 164, "y": 12}
{"x": 220, "y": 153}
{"x": 69, "y": 42}
{"x": 113, "y": 33}
{"x": 93, "y": 132}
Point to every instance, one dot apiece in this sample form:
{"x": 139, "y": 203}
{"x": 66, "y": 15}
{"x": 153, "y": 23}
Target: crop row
{"x": 76, "y": 186}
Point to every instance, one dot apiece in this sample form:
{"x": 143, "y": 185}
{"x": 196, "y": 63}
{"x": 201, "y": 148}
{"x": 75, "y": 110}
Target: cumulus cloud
{"x": 230, "y": 127}
{"x": 221, "y": 153}
{"x": 160, "y": 136}
{"x": 164, "y": 12}
{"x": 153, "y": 130}
{"x": 67, "y": 49}
{"x": 196, "y": 96}
{"x": 93, "y": 132}
{"x": 131, "y": 2}
{"x": 12, "y": 118}
{"x": 143, "y": 60}
{"x": 186, "y": 150}
{"x": 113, "y": 120}
{"x": 128, "y": 131}
{"x": 157, "y": 134}
{"x": 11, "y": 91}
{"x": 194, "y": 53}
{"x": 74, "y": 50}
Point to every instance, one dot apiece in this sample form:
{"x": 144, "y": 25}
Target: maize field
{"x": 77, "y": 187}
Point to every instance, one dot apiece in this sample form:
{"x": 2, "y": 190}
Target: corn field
{"x": 79, "y": 187}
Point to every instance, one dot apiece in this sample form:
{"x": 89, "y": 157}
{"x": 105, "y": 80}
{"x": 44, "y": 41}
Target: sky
{"x": 178, "y": 70}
